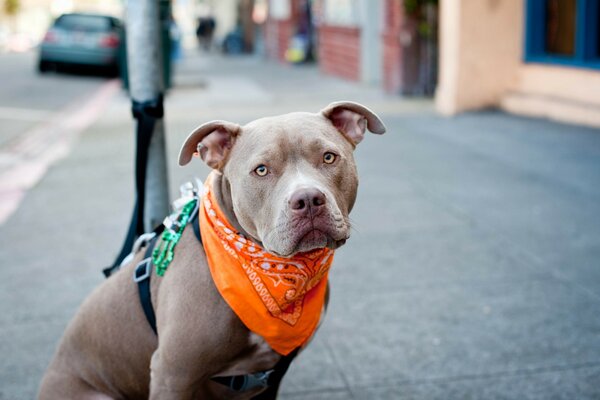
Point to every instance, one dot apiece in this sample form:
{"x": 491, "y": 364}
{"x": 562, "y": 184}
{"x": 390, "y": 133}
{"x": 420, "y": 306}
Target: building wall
{"x": 280, "y": 27}
{"x": 575, "y": 84}
{"x": 560, "y": 93}
{"x": 277, "y": 36}
{"x": 339, "y": 39}
{"x": 392, "y": 47}
{"x": 341, "y": 27}
{"x": 371, "y": 50}
{"x": 225, "y": 14}
{"x": 339, "y": 51}
{"x": 480, "y": 52}
{"x": 481, "y": 65}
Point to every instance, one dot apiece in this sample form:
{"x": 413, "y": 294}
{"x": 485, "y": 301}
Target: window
{"x": 82, "y": 22}
{"x": 560, "y": 27}
{"x": 596, "y": 52}
{"x": 563, "y": 32}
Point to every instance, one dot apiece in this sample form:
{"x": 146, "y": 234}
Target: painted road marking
{"x": 24, "y": 114}
{"x": 35, "y": 151}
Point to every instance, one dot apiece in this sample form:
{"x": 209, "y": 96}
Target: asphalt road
{"x": 40, "y": 115}
{"x": 28, "y": 98}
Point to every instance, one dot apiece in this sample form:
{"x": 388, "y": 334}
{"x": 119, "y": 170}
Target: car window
{"x": 115, "y": 23}
{"x": 90, "y": 23}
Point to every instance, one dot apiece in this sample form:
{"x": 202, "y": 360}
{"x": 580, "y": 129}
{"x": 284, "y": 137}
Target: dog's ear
{"x": 211, "y": 141}
{"x": 352, "y": 119}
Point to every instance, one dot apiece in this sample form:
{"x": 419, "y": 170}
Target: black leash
{"x": 146, "y": 114}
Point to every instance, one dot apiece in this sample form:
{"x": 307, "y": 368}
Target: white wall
{"x": 370, "y": 14}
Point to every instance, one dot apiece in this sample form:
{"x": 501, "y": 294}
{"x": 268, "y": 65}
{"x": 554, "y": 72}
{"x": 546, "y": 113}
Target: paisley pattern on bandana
{"x": 287, "y": 293}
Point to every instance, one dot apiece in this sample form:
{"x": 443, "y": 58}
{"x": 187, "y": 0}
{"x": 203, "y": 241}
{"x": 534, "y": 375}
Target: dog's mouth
{"x": 311, "y": 240}
{"x": 316, "y": 239}
{"x": 306, "y": 235}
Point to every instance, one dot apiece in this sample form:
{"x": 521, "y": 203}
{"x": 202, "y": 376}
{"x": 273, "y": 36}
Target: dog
{"x": 250, "y": 296}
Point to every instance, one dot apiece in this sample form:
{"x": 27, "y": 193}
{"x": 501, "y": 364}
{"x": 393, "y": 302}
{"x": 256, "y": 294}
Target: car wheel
{"x": 43, "y": 66}
{"x": 113, "y": 70}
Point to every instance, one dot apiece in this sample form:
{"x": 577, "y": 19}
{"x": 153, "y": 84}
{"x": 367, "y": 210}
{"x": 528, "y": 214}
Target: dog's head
{"x": 291, "y": 179}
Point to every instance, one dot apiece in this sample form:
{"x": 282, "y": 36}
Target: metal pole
{"x": 144, "y": 60}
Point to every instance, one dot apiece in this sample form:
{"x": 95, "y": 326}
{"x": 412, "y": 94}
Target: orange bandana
{"x": 280, "y": 299}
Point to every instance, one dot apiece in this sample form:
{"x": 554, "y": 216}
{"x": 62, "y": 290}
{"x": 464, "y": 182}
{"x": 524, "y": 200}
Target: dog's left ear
{"x": 352, "y": 119}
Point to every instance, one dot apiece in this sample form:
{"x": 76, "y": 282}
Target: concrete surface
{"x": 28, "y": 97}
{"x": 472, "y": 272}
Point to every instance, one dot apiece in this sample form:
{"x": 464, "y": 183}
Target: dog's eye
{"x": 261, "y": 170}
{"x": 329, "y": 158}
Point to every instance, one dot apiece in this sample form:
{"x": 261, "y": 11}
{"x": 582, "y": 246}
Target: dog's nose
{"x": 305, "y": 200}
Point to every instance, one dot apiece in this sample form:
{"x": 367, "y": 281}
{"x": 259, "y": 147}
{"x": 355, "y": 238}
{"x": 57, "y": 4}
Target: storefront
{"x": 289, "y": 31}
{"x": 379, "y": 42}
{"x": 530, "y": 57}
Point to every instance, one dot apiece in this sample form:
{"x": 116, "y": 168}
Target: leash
{"x": 146, "y": 114}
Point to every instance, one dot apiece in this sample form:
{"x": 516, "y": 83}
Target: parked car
{"x": 82, "y": 39}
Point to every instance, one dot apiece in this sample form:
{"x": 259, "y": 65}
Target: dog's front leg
{"x": 177, "y": 374}
{"x": 172, "y": 377}
{"x": 193, "y": 348}
{"x": 198, "y": 333}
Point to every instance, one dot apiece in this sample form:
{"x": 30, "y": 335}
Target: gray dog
{"x": 277, "y": 204}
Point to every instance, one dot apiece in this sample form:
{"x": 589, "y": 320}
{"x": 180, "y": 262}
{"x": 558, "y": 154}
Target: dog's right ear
{"x": 211, "y": 141}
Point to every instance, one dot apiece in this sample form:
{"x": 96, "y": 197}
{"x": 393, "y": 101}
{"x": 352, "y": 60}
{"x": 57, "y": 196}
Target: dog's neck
{"x": 222, "y": 191}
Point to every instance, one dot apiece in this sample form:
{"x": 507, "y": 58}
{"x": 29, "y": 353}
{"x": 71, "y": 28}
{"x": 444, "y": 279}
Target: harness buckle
{"x": 242, "y": 383}
{"x": 261, "y": 379}
{"x": 143, "y": 240}
{"x": 143, "y": 270}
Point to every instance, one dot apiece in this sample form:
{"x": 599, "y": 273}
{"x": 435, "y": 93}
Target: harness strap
{"x": 143, "y": 272}
{"x": 270, "y": 379}
{"x": 141, "y": 276}
{"x": 196, "y": 226}
{"x": 241, "y": 383}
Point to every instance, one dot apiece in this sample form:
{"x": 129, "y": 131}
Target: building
{"x": 339, "y": 30}
{"x": 531, "y": 57}
{"x": 371, "y": 41}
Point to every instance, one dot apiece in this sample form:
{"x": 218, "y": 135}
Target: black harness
{"x": 270, "y": 379}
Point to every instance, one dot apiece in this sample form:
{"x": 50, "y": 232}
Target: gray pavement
{"x": 472, "y": 272}
{"x": 28, "y": 98}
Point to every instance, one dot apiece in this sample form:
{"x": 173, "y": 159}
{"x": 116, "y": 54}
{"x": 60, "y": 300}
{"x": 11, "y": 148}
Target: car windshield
{"x": 90, "y": 23}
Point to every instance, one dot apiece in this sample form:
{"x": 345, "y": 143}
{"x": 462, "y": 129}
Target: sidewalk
{"x": 472, "y": 271}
